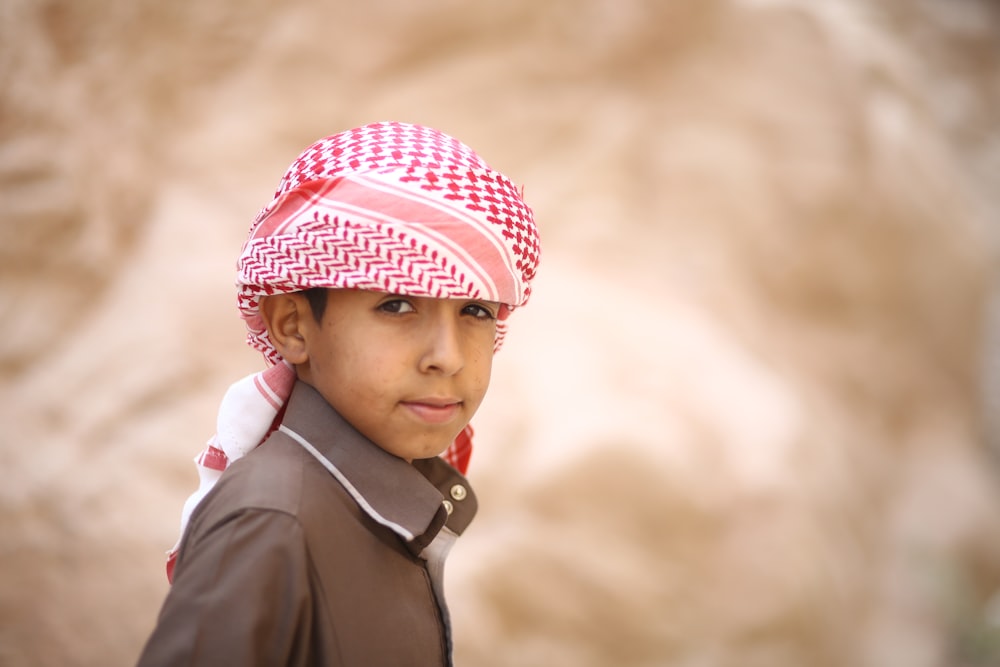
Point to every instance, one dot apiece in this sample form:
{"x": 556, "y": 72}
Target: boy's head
{"x": 390, "y": 258}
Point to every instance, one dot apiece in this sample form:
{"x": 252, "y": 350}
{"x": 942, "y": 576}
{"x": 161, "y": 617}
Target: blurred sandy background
{"x": 746, "y": 420}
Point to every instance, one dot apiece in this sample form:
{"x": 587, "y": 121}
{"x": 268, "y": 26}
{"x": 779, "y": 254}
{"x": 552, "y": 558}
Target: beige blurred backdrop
{"x": 746, "y": 419}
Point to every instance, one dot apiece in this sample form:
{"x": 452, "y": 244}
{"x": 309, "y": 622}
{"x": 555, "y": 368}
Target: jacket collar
{"x": 408, "y": 499}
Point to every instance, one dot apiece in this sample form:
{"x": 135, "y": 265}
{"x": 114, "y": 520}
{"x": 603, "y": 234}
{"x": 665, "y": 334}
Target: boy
{"x": 378, "y": 282}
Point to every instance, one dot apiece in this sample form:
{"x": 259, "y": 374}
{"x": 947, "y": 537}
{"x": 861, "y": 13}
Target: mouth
{"x": 433, "y": 410}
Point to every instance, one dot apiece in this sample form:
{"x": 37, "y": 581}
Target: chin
{"x": 410, "y": 452}
{"x": 428, "y": 451}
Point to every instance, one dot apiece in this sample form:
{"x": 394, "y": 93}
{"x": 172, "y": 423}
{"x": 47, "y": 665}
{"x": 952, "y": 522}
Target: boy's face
{"x": 406, "y": 372}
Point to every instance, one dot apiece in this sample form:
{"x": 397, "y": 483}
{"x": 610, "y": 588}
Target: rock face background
{"x": 746, "y": 420}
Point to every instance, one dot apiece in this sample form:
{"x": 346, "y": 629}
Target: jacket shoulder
{"x": 268, "y": 478}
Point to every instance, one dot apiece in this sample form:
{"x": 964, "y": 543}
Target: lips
{"x": 433, "y": 410}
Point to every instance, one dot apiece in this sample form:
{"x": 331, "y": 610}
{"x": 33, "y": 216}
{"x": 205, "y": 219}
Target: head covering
{"x": 389, "y": 207}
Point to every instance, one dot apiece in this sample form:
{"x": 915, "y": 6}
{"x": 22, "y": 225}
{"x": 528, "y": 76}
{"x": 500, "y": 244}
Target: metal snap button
{"x": 458, "y": 492}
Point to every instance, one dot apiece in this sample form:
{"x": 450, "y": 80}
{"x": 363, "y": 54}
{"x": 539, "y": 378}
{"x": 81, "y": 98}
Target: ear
{"x": 286, "y": 316}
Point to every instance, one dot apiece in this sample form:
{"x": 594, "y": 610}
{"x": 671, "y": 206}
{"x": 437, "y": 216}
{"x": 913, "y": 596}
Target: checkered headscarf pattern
{"x": 390, "y": 207}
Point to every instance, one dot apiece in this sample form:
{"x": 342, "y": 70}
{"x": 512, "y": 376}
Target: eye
{"x": 396, "y": 306}
{"x": 479, "y": 311}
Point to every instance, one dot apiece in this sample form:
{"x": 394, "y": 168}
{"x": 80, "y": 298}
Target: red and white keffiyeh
{"x": 390, "y": 207}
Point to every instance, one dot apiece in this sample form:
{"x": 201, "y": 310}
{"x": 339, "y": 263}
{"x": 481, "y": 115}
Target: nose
{"x": 442, "y": 350}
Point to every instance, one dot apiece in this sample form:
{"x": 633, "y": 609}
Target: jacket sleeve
{"x": 240, "y": 597}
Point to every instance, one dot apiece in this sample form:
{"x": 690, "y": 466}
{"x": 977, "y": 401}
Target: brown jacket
{"x": 326, "y": 557}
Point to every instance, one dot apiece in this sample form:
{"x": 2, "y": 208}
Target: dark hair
{"x": 316, "y": 296}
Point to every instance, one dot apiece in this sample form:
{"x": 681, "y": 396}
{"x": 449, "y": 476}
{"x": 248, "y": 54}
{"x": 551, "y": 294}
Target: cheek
{"x": 482, "y": 367}
{"x": 375, "y": 371}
